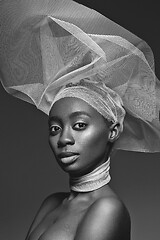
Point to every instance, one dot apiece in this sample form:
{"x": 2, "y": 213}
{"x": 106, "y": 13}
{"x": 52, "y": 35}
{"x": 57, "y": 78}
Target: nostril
{"x": 65, "y": 141}
{"x": 63, "y": 144}
{"x": 60, "y": 144}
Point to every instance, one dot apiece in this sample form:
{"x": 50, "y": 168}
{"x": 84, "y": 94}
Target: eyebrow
{"x": 72, "y": 115}
{"x": 79, "y": 113}
{"x": 53, "y": 118}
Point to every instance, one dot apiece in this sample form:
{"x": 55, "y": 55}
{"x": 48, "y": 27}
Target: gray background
{"x": 28, "y": 170}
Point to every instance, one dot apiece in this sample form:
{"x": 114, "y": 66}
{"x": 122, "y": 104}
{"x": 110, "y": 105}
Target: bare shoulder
{"x": 110, "y": 206}
{"x": 50, "y": 203}
{"x": 107, "y": 218}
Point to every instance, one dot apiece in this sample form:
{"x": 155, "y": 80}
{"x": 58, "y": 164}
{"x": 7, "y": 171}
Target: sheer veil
{"x": 48, "y": 44}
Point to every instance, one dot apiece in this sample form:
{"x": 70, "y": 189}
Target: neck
{"x": 94, "y": 180}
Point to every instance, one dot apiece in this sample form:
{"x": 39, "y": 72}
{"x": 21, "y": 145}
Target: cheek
{"x": 94, "y": 138}
{"x": 52, "y": 143}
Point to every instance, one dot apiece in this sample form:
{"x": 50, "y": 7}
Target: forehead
{"x": 66, "y": 106}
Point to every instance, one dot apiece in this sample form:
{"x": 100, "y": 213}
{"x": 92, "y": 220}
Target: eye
{"x": 80, "y": 126}
{"x": 54, "y": 129}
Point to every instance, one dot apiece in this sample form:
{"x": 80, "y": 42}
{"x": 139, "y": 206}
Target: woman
{"x": 81, "y": 139}
{"x": 104, "y": 76}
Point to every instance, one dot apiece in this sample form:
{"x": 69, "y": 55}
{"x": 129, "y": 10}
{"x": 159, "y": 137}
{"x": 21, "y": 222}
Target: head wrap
{"x": 99, "y": 96}
{"x": 48, "y": 44}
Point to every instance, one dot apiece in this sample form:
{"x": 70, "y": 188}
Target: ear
{"x": 114, "y": 132}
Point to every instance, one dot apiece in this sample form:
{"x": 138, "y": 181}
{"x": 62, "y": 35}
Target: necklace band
{"x": 93, "y": 180}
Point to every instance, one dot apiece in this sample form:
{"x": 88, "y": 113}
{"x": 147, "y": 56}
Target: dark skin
{"x": 97, "y": 215}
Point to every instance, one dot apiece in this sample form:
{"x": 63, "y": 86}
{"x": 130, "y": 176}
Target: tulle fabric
{"x": 47, "y": 44}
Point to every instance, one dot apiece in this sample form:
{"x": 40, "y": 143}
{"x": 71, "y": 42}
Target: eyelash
{"x": 80, "y": 128}
{"x": 54, "y": 131}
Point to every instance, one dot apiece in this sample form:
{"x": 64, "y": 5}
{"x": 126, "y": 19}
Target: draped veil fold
{"x": 46, "y": 44}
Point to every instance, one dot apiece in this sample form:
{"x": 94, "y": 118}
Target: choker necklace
{"x": 96, "y": 179}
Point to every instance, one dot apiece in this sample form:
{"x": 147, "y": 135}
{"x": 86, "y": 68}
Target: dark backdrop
{"x": 28, "y": 171}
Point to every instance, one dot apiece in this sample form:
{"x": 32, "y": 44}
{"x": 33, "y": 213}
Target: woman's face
{"x": 78, "y": 136}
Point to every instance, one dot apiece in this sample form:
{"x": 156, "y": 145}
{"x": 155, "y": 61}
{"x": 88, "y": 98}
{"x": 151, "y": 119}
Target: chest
{"x": 60, "y": 224}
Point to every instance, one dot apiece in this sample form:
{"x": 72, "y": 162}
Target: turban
{"x": 46, "y": 45}
{"x": 99, "y": 96}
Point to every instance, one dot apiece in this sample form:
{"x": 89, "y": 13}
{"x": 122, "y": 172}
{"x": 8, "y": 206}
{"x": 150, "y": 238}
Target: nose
{"x": 65, "y": 138}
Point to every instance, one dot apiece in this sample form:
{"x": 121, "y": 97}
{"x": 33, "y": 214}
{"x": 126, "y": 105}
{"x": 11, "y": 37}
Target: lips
{"x": 68, "y": 157}
{"x": 67, "y": 154}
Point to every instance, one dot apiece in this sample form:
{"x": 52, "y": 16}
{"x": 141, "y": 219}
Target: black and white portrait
{"x": 80, "y": 125}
